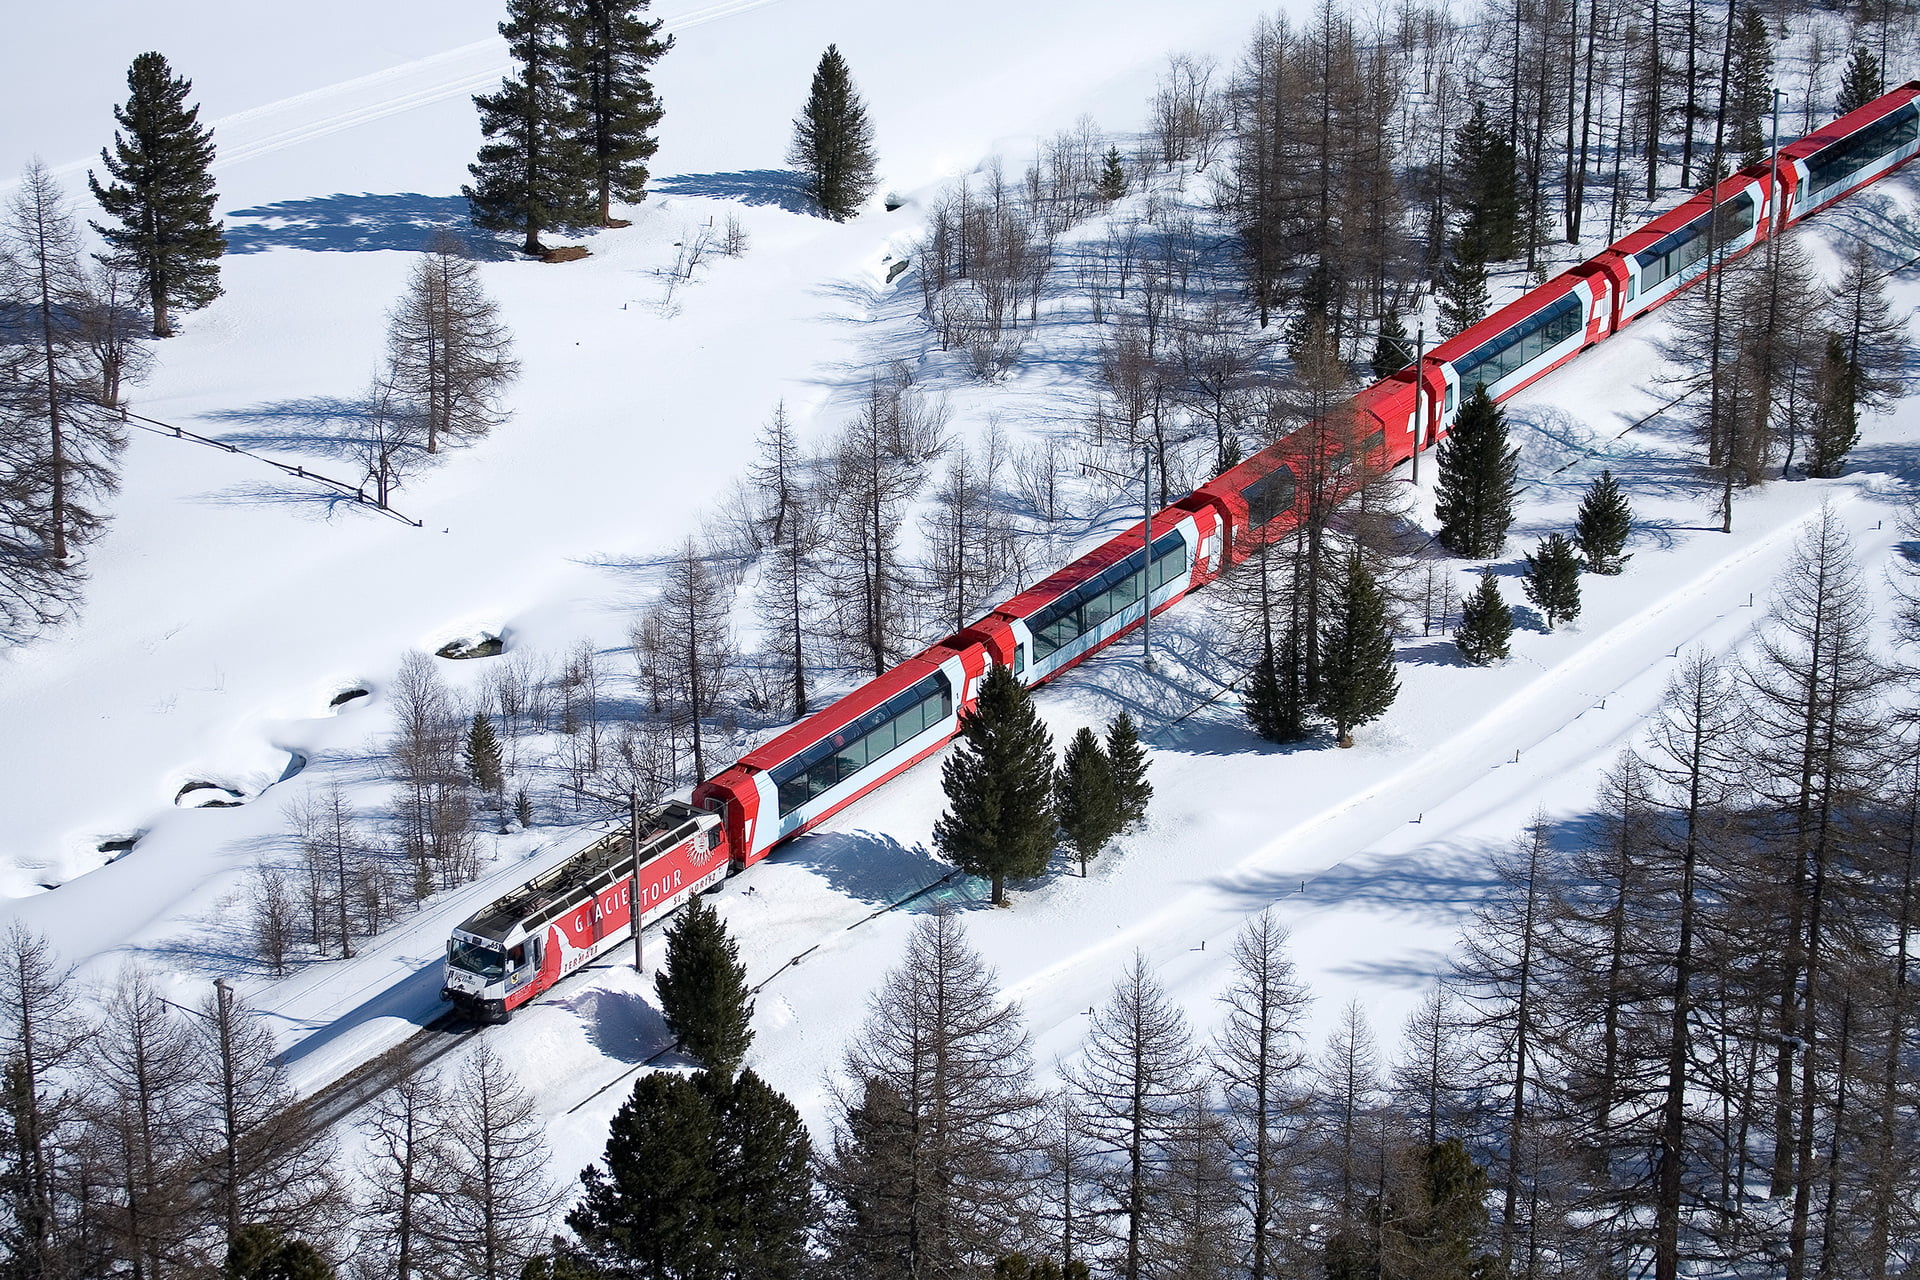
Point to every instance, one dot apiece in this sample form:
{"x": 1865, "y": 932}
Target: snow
{"x": 231, "y": 605}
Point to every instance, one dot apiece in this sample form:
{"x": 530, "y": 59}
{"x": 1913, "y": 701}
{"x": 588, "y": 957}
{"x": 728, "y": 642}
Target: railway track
{"x": 339, "y": 1100}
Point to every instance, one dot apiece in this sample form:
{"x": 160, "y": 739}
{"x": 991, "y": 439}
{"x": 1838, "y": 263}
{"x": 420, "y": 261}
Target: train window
{"x": 1019, "y": 659}
{"x": 1099, "y": 599}
{"x": 1374, "y": 444}
{"x": 1674, "y": 252}
{"x": 1269, "y": 496}
{"x": 485, "y": 961}
{"x": 891, "y": 725}
{"x": 1522, "y": 344}
{"x": 1834, "y": 163}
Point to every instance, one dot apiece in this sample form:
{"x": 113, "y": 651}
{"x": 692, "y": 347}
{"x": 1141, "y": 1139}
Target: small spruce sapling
{"x": 1486, "y": 624}
{"x": 1391, "y": 350}
{"x": 1553, "y": 579}
{"x": 999, "y": 821}
{"x": 1834, "y": 426}
{"x": 1113, "y": 177}
{"x": 1479, "y": 475}
{"x": 1276, "y": 704}
{"x": 1356, "y": 655}
{"x": 1603, "y": 526}
{"x": 1128, "y": 759}
{"x": 1087, "y": 805}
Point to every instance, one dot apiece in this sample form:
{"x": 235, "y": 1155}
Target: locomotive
{"x": 522, "y": 944}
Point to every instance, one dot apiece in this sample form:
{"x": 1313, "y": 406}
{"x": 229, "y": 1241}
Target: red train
{"x": 522, "y": 944}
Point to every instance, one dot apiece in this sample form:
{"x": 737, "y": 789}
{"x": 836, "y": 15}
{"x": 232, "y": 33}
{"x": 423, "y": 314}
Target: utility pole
{"x": 632, "y": 801}
{"x": 1779, "y": 203}
{"x": 229, "y": 1090}
{"x": 1146, "y": 539}
{"x": 1419, "y": 398}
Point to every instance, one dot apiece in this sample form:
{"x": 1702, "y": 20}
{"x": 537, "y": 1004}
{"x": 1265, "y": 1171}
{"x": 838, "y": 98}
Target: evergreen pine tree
{"x": 1440, "y": 1218}
{"x": 533, "y": 173}
{"x": 1357, "y": 683}
{"x": 483, "y": 756}
{"x": 262, "y": 1252}
{"x": 999, "y": 787}
{"x": 648, "y": 1207}
{"x": 1603, "y": 526}
{"x": 1113, "y": 177}
{"x": 1750, "y": 96}
{"x": 610, "y": 48}
{"x": 833, "y": 141}
{"x": 1128, "y": 759}
{"x": 1486, "y": 624}
{"x": 762, "y": 1165}
{"x": 161, "y": 198}
{"x": 1478, "y": 471}
{"x": 1276, "y": 703}
{"x": 1834, "y": 425}
{"x": 1085, "y": 799}
{"x": 1860, "y": 83}
{"x": 1391, "y": 350}
{"x": 1489, "y": 191}
{"x": 1461, "y": 288}
{"x": 703, "y": 990}
{"x": 1553, "y": 579}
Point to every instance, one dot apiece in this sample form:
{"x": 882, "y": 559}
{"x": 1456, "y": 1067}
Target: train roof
{"x": 1686, "y": 211}
{"x": 1827, "y": 134}
{"x": 1514, "y": 312}
{"x": 1102, "y": 557}
{"x": 1364, "y": 404}
{"x": 554, "y": 890}
{"x": 848, "y": 708}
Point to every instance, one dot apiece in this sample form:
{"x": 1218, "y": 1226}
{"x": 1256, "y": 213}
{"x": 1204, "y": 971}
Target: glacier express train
{"x": 519, "y": 946}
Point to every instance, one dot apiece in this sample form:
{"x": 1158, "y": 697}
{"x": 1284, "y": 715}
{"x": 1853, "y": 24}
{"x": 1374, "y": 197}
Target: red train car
{"x": 835, "y": 756}
{"x": 1837, "y": 159}
{"x": 505, "y": 955}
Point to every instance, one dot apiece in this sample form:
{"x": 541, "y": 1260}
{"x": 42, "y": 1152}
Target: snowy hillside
{"x": 231, "y": 605}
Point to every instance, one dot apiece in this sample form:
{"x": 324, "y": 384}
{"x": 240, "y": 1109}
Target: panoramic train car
{"x": 1844, "y": 156}
{"x": 1259, "y": 496}
{"x": 1058, "y": 621}
{"x": 1522, "y": 341}
{"x": 837, "y": 755}
{"x": 1652, "y": 263}
{"x": 517, "y": 947}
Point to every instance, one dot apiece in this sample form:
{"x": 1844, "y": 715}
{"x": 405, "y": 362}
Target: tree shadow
{"x": 323, "y": 426}
{"x": 364, "y": 223}
{"x": 873, "y": 867}
{"x": 1441, "y": 883}
{"x": 1433, "y": 651}
{"x": 620, "y": 1024}
{"x": 785, "y": 188}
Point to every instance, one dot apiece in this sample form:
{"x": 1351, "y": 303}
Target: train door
{"x": 523, "y": 962}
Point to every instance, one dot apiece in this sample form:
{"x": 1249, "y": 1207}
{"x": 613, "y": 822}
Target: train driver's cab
{"x": 478, "y": 976}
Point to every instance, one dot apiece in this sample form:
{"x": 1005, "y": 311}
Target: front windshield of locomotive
{"x": 487, "y": 962}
